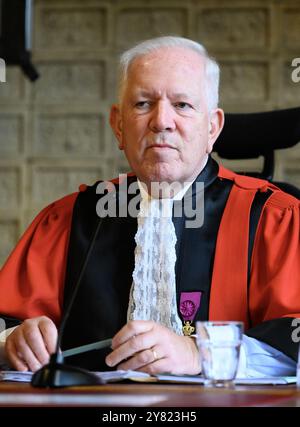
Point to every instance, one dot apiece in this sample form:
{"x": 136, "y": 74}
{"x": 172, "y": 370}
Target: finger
{"x": 144, "y": 358}
{"x": 26, "y": 353}
{"x": 14, "y": 358}
{"x": 136, "y": 344}
{"x": 137, "y": 361}
{"x": 49, "y": 334}
{"x": 132, "y": 328}
{"x": 157, "y": 367}
{"x": 35, "y": 343}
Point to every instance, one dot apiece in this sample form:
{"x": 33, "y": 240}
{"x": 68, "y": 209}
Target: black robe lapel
{"x": 100, "y": 308}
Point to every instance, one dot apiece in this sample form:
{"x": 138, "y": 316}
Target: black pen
{"x": 88, "y": 347}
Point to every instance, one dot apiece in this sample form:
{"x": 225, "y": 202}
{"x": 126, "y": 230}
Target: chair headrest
{"x": 250, "y": 135}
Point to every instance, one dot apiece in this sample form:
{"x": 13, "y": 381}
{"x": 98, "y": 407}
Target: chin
{"x": 164, "y": 177}
{"x": 160, "y": 172}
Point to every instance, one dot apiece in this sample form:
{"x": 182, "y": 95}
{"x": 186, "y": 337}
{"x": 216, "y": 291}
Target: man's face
{"x": 163, "y": 123}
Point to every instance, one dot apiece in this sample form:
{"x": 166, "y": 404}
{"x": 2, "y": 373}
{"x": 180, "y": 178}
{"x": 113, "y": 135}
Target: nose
{"x": 162, "y": 118}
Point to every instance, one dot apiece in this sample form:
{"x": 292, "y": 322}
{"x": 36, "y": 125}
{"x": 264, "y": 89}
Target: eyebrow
{"x": 176, "y": 95}
{"x": 180, "y": 95}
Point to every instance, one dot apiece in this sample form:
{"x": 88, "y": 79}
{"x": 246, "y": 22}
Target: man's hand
{"x": 149, "y": 347}
{"x": 29, "y": 346}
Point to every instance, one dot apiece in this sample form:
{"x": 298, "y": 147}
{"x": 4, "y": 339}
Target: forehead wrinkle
{"x": 159, "y": 93}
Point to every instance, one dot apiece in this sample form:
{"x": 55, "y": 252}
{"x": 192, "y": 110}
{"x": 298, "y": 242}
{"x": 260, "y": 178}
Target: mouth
{"x": 162, "y": 146}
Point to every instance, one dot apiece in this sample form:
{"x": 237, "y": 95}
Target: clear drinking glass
{"x": 219, "y": 346}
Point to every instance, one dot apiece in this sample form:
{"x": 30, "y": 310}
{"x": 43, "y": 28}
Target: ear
{"x": 216, "y": 123}
{"x": 115, "y": 120}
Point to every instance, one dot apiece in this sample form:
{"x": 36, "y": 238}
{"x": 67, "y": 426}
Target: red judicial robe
{"x": 32, "y": 280}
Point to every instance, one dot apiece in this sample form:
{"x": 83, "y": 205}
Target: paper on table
{"x": 119, "y": 375}
{"x": 267, "y": 380}
{"x": 111, "y": 376}
{"x": 186, "y": 379}
{"x": 23, "y": 377}
{"x": 107, "y": 376}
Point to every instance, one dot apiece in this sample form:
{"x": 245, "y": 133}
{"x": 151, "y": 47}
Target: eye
{"x": 182, "y": 105}
{"x": 142, "y": 105}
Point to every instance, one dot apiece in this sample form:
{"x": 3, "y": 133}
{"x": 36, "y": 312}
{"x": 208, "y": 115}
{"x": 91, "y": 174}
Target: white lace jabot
{"x": 153, "y": 291}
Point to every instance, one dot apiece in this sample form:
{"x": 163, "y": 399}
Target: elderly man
{"x": 150, "y": 277}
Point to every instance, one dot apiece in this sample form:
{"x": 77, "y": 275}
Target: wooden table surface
{"x": 148, "y": 395}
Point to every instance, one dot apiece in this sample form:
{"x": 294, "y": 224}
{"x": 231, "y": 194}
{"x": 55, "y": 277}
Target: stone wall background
{"x": 54, "y": 133}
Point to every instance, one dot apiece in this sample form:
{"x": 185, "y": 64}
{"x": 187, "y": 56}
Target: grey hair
{"x": 212, "y": 70}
